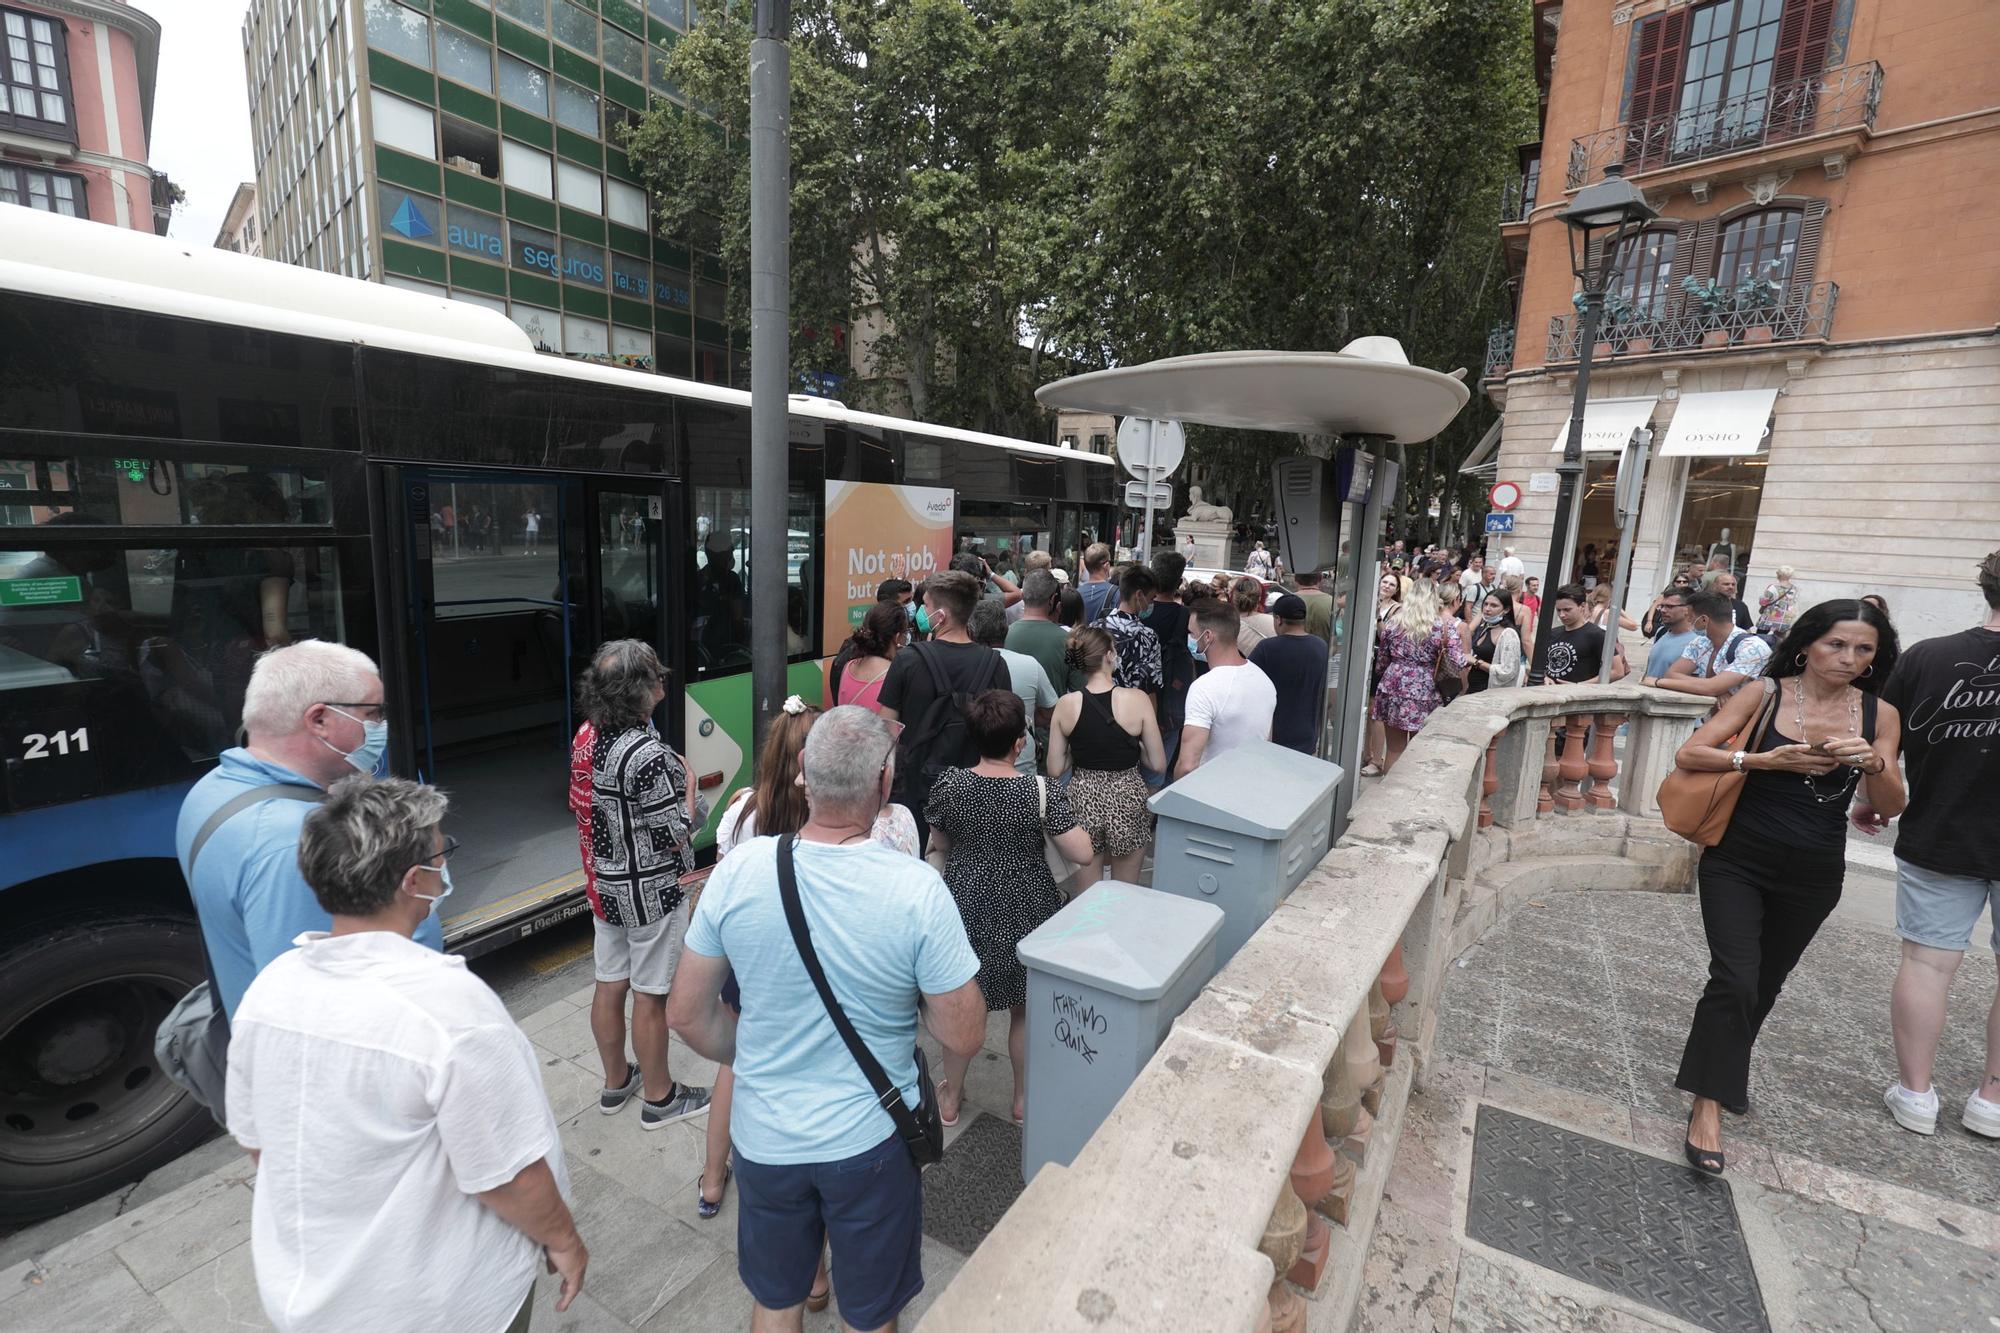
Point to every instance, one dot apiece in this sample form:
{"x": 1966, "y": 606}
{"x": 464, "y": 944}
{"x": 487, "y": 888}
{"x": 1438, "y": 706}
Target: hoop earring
{"x": 1799, "y": 660}
{"x": 1866, "y": 674}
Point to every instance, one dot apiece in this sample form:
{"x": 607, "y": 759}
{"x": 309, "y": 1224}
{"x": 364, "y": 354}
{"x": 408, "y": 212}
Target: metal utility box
{"x": 1107, "y": 976}
{"x": 1241, "y": 831}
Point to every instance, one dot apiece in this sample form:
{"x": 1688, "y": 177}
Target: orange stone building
{"x": 1808, "y": 330}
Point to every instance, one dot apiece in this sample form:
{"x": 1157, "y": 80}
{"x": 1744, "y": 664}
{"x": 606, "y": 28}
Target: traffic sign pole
{"x": 1146, "y": 528}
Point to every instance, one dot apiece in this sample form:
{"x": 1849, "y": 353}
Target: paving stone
{"x": 1597, "y": 1116}
{"x": 652, "y": 1165}
{"x": 1490, "y": 1297}
{"x": 99, "y": 1295}
{"x": 640, "y": 1259}
{"x": 221, "y": 1294}
{"x": 1596, "y": 1070}
{"x": 713, "y": 1298}
{"x": 220, "y": 1223}
{"x": 568, "y": 1035}
{"x": 1410, "y": 1274}
{"x": 1423, "y": 1179}
{"x": 570, "y": 1087}
{"x": 1859, "y": 1272}
{"x": 585, "y": 1314}
{"x": 546, "y": 1016}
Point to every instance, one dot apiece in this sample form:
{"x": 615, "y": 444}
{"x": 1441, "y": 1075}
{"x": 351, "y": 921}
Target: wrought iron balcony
{"x": 1838, "y": 99}
{"x": 1802, "y": 315}
{"x": 1499, "y": 352}
{"x": 1517, "y": 196}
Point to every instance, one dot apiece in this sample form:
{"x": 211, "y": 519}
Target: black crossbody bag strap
{"x": 228, "y": 810}
{"x": 887, "y": 1095}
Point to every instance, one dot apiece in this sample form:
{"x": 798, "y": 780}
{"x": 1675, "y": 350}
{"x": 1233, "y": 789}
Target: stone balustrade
{"x": 1239, "y": 1177}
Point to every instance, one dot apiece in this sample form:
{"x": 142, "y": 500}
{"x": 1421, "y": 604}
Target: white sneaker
{"x": 1917, "y": 1111}
{"x": 1982, "y": 1117}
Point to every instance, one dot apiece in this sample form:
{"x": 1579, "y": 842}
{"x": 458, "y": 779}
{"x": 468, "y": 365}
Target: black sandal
{"x": 1707, "y": 1161}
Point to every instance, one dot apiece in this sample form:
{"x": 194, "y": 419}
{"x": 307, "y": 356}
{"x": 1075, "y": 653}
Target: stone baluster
{"x": 1572, "y": 767}
{"x": 1381, "y": 1026}
{"x": 1490, "y": 782}
{"x": 1604, "y": 761}
{"x": 1546, "y": 801}
{"x": 1394, "y": 981}
{"x": 1284, "y": 1240}
{"x": 1365, "y": 1061}
{"x": 1348, "y": 1127}
{"x": 1312, "y": 1165}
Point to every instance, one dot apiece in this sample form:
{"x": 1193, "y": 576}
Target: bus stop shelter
{"x": 1366, "y": 392}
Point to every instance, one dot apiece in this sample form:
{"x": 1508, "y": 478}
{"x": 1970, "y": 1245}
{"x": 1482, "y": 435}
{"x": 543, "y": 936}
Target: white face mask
{"x": 443, "y": 873}
{"x": 367, "y": 758}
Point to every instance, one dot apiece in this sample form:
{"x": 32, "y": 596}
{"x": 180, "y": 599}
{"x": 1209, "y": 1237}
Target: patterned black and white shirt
{"x": 641, "y": 839}
{"x": 1138, "y": 650}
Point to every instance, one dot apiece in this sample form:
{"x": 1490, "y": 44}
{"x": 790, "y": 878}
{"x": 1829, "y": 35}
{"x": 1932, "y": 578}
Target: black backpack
{"x": 941, "y": 739}
{"x": 1735, "y": 642}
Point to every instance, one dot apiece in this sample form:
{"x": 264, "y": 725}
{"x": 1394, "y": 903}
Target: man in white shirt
{"x": 1511, "y": 565}
{"x": 409, "y": 1173}
{"x": 1232, "y": 702}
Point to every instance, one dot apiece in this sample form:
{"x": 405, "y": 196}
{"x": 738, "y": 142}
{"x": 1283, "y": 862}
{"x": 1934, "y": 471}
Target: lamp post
{"x": 1602, "y": 217}
{"x": 770, "y": 353}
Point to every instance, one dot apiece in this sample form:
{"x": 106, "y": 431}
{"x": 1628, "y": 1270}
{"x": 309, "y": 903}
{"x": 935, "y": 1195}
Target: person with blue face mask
{"x": 383, "y": 1092}
{"x": 313, "y": 713}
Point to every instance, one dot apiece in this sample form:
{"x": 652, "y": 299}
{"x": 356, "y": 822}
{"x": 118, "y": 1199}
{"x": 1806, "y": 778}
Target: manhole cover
{"x": 978, "y": 1180}
{"x": 1657, "y": 1232}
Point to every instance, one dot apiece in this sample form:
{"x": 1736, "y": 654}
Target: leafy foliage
{"x": 1017, "y": 189}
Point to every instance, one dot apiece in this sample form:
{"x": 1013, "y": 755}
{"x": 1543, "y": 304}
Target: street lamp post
{"x": 1602, "y": 217}
{"x": 770, "y": 355}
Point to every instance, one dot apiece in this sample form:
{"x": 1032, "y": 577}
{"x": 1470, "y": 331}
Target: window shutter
{"x": 1803, "y": 35}
{"x": 1658, "y": 48}
{"x": 1805, "y": 260}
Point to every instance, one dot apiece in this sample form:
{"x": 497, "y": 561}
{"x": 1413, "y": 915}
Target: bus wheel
{"x": 84, "y": 1107}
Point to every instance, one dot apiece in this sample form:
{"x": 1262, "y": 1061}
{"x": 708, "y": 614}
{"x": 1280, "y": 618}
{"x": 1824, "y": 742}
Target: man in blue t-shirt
{"x": 1673, "y": 631}
{"x": 814, "y": 1152}
{"x": 313, "y": 713}
{"x": 1099, "y": 592}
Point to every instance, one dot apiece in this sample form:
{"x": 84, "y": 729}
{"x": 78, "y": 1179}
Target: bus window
{"x": 719, "y": 599}
{"x": 156, "y": 492}
{"x": 126, "y": 666}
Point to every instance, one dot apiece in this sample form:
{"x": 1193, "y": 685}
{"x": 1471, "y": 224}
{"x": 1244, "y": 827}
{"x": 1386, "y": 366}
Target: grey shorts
{"x": 643, "y": 955}
{"x": 1939, "y": 911}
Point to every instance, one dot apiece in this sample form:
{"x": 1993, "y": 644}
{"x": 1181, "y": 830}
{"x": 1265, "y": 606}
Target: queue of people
{"x": 877, "y": 878}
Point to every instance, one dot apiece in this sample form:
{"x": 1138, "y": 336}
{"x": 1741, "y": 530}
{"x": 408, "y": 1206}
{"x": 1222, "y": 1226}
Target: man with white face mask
{"x": 409, "y": 1172}
{"x": 313, "y": 714}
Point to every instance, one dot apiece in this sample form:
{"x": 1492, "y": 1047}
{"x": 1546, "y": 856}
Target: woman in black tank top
{"x": 1776, "y": 874}
{"x": 1099, "y": 735}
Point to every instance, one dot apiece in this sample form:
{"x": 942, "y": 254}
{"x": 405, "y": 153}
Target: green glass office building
{"x": 468, "y": 147}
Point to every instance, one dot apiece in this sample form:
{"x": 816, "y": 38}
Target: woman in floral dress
{"x": 1409, "y": 647}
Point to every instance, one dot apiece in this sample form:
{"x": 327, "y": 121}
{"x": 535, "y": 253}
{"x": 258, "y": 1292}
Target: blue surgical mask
{"x": 443, "y": 873}
{"x": 374, "y": 744}
{"x": 923, "y": 619}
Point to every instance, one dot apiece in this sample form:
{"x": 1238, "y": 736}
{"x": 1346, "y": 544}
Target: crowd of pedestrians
{"x": 990, "y": 754}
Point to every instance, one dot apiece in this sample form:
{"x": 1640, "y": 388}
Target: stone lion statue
{"x": 1200, "y": 512}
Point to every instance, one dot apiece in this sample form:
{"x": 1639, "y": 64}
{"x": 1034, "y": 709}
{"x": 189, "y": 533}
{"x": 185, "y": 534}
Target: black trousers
{"x": 1760, "y": 908}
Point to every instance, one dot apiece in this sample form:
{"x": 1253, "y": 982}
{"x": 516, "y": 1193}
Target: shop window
{"x": 585, "y": 337}
{"x": 543, "y": 327}
{"x": 1719, "y": 511}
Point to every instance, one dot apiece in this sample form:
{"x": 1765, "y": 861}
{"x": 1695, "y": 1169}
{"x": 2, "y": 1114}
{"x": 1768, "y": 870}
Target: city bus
{"x": 203, "y": 455}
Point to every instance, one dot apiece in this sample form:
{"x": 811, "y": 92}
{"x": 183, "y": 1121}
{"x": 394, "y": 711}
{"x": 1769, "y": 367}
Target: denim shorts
{"x": 1939, "y": 910}
{"x": 869, "y": 1206}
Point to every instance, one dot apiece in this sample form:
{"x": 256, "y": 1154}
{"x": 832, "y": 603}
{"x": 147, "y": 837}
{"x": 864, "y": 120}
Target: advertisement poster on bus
{"x": 874, "y": 532}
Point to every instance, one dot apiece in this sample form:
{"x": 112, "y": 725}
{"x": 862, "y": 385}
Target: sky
{"x": 201, "y": 112}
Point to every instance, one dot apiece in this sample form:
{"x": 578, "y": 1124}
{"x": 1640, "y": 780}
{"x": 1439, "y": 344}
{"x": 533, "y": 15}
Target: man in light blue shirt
{"x": 988, "y": 626}
{"x": 314, "y": 715}
{"x": 814, "y": 1153}
{"x": 1673, "y": 631}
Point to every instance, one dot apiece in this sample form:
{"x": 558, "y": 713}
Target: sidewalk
{"x": 1539, "y": 1181}
{"x": 181, "y": 1261}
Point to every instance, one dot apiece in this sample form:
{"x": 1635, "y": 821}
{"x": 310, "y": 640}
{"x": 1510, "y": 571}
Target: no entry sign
{"x": 1504, "y": 495}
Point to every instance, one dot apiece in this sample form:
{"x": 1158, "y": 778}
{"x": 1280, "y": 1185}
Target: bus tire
{"x": 84, "y": 1107}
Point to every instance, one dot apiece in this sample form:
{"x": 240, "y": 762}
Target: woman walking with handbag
{"x": 1412, "y": 651}
{"x": 1811, "y": 734}
{"x": 991, "y": 828}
